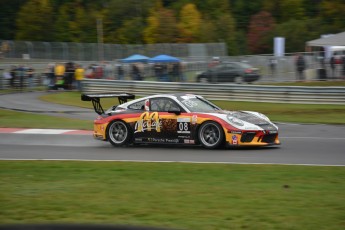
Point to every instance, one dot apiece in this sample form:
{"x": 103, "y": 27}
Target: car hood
{"x": 247, "y": 116}
{"x": 251, "y": 120}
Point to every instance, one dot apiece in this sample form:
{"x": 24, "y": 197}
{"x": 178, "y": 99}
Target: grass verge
{"x": 175, "y": 195}
{"x": 13, "y": 119}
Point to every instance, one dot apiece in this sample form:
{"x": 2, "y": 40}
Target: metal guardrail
{"x": 232, "y": 92}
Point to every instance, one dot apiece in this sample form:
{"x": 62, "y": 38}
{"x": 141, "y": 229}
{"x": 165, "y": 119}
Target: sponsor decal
{"x": 138, "y": 139}
{"x": 235, "y": 132}
{"x": 194, "y": 119}
{"x": 234, "y": 140}
{"x": 162, "y": 140}
{"x": 183, "y": 125}
{"x": 184, "y": 137}
{"x": 147, "y": 122}
{"x": 188, "y": 141}
{"x": 272, "y": 132}
{"x": 147, "y": 105}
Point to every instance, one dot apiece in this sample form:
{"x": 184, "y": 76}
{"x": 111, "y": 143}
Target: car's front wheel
{"x": 211, "y": 135}
{"x": 118, "y": 133}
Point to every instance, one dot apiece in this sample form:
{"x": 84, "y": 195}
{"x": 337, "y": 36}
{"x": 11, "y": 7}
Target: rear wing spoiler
{"x": 96, "y": 99}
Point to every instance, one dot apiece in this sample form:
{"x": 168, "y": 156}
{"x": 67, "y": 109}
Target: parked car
{"x": 230, "y": 72}
{"x": 180, "y": 119}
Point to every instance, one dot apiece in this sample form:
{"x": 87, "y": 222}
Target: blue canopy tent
{"x": 164, "y": 58}
{"x": 135, "y": 58}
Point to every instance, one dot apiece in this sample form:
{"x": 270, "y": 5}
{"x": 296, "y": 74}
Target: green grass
{"x": 302, "y": 113}
{"x": 13, "y": 119}
{"x": 175, "y": 195}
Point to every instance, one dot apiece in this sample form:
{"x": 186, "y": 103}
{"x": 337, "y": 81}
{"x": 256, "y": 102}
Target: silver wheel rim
{"x": 203, "y": 80}
{"x": 238, "y": 80}
{"x": 210, "y": 135}
{"x": 118, "y": 132}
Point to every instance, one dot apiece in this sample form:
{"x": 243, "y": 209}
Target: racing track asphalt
{"x": 30, "y": 102}
{"x": 312, "y": 144}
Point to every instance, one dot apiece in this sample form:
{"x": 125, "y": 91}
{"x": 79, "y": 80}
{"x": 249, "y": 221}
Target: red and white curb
{"x": 46, "y": 131}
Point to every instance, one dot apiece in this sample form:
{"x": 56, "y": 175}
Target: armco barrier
{"x": 232, "y": 92}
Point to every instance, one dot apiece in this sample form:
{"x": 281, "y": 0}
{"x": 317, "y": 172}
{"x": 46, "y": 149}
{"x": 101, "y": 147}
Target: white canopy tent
{"x": 333, "y": 40}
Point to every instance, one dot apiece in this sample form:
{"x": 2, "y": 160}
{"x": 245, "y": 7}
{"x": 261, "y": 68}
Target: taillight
{"x": 248, "y": 71}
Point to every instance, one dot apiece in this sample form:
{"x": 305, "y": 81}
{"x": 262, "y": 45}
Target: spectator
{"x": 79, "y": 76}
{"x": 332, "y": 65}
{"x": 30, "y": 76}
{"x": 59, "y": 75}
{"x": 300, "y": 67}
{"x": 136, "y": 75}
{"x": 120, "y": 72}
{"x": 176, "y": 71}
{"x": 108, "y": 71}
{"x": 273, "y": 65}
{"x": 69, "y": 75}
{"x": 158, "y": 69}
{"x": 13, "y": 76}
{"x": 50, "y": 75}
{"x": 20, "y": 72}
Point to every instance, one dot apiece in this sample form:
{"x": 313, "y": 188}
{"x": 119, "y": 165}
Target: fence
{"x": 67, "y": 51}
{"x": 234, "y": 92}
{"x": 195, "y": 57}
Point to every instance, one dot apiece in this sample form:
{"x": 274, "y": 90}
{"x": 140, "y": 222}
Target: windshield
{"x": 198, "y": 104}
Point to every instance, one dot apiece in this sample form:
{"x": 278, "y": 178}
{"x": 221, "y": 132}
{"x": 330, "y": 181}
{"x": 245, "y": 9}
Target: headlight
{"x": 234, "y": 120}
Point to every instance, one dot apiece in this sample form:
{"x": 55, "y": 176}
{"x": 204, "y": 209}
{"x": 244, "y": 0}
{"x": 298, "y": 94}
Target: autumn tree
{"x": 189, "y": 23}
{"x": 34, "y": 21}
{"x": 261, "y": 25}
{"x": 161, "y": 27}
{"x": 332, "y": 14}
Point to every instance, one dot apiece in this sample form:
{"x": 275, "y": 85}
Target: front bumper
{"x": 252, "y": 138}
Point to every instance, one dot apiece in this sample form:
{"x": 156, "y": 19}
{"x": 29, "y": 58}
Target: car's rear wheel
{"x": 118, "y": 133}
{"x": 238, "y": 79}
{"x": 211, "y": 135}
{"x": 203, "y": 80}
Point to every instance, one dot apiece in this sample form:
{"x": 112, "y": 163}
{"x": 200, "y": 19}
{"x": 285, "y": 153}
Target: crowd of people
{"x": 69, "y": 75}
{"x": 20, "y": 76}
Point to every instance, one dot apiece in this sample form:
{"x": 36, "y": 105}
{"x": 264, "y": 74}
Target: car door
{"x": 174, "y": 124}
{"x": 230, "y": 72}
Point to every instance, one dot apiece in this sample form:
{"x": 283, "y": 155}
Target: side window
{"x": 163, "y": 104}
{"x": 140, "y": 105}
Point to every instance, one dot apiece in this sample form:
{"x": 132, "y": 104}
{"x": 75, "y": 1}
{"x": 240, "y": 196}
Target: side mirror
{"x": 175, "y": 111}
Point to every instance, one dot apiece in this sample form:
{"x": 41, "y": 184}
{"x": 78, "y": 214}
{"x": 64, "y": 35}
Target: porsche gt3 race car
{"x": 185, "y": 119}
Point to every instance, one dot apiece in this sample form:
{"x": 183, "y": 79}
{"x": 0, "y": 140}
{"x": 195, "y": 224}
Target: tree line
{"x": 247, "y": 27}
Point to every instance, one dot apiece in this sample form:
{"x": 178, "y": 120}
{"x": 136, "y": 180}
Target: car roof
{"x": 171, "y": 95}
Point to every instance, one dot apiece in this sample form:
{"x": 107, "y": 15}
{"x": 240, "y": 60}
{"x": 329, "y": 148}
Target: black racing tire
{"x": 118, "y": 133}
{"x": 211, "y": 135}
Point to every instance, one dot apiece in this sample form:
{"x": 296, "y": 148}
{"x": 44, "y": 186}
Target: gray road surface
{"x": 301, "y": 144}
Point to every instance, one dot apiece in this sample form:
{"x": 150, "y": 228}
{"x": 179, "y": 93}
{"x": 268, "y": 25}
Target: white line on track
{"x": 43, "y": 131}
{"x": 187, "y": 162}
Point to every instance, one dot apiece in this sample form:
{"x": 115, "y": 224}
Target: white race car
{"x": 183, "y": 119}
